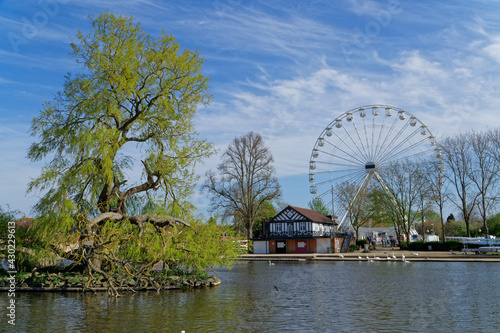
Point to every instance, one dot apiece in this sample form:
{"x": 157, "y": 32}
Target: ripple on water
{"x": 293, "y": 297}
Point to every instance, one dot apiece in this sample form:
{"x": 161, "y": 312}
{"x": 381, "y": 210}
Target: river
{"x": 307, "y": 296}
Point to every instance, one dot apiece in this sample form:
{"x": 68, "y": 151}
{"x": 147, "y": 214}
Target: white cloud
{"x": 493, "y": 49}
{"x": 292, "y": 112}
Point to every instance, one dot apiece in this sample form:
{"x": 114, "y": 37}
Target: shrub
{"x": 435, "y": 246}
{"x": 416, "y": 246}
{"x": 361, "y": 242}
{"x": 404, "y": 245}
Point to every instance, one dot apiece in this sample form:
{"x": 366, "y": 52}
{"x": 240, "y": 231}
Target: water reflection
{"x": 289, "y": 296}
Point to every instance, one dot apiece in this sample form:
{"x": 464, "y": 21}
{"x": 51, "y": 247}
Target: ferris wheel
{"x": 360, "y": 144}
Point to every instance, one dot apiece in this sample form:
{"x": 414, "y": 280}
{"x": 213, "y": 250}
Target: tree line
{"x": 461, "y": 175}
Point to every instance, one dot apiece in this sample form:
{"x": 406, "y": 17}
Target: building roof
{"x": 313, "y": 215}
{"x": 25, "y": 222}
{"x": 307, "y": 214}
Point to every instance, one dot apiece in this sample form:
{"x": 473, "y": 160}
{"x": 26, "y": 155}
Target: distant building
{"x": 300, "y": 230}
{"x": 25, "y": 222}
{"x": 384, "y": 233}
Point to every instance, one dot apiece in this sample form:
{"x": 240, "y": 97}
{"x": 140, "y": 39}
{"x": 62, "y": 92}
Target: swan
{"x": 271, "y": 263}
{"x": 341, "y": 256}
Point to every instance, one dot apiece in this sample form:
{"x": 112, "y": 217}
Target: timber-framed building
{"x": 300, "y": 230}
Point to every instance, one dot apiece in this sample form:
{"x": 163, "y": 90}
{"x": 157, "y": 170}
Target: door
{"x": 280, "y": 246}
{"x": 312, "y": 245}
{"x": 301, "y": 246}
{"x": 272, "y": 246}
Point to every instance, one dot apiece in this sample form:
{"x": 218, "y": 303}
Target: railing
{"x": 303, "y": 234}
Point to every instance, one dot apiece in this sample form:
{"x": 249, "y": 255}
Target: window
{"x": 302, "y": 226}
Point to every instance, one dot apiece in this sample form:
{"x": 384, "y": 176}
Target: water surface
{"x": 289, "y": 297}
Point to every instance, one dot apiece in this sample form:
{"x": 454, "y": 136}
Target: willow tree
{"x": 129, "y": 112}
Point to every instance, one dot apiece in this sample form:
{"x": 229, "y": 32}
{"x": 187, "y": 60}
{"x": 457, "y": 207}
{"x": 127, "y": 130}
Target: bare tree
{"x": 357, "y": 204}
{"x": 385, "y": 208}
{"x": 457, "y": 157}
{"x": 494, "y": 137}
{"x": 484, "y": 171}
{"x": 435, "y": 178}
{"x": 424, "y": 197}
{"x": 244, "y": 182}
{"x": 404, "y": 181}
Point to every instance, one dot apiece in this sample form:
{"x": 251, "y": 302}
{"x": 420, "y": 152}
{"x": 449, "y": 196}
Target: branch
{"x": 104, "y": 217}
{"x": 157, "y": 220}
{"x": 150, "y": 183}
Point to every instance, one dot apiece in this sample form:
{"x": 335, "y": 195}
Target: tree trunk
{"x": 442, "y": 222}
{"x": 485, "y": 221}
{"x": 95, "y": 263}
{"x": 249, "y": 231}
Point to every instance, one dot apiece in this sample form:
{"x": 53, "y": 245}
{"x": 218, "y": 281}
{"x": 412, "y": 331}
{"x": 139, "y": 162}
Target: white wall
{"x": 260, "y": 247}
{"x": 322, "y": 245}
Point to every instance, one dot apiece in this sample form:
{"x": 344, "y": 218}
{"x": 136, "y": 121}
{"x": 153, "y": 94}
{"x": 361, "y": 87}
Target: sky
{"x": 282, "y": 68}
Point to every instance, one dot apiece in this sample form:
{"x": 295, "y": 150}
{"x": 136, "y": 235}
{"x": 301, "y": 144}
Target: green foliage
{"x": 204, "y": 246}
{"x": 382, "y": 207}
{"x": 318, "y": 205}
{"x": 361, "y": 242}
{"x": 26, "y": 249}
{"x": 136, "y": 92}
{"x": 494, "y": 225}
{"x": 7, "y": 216}
{"x": 455, "y": 228}
{"x": 459, "y": 229}
{"x": 266, "y": 212}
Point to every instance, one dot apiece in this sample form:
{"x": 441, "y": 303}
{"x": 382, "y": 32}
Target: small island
{"x": 121, "y": 148}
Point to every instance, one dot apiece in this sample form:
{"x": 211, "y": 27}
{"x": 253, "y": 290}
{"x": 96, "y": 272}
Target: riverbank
{"x": 77, "y": 282}
{"x": 380, "y": 254}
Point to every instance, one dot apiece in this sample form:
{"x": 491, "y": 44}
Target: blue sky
{"x": 285, "y": 69}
